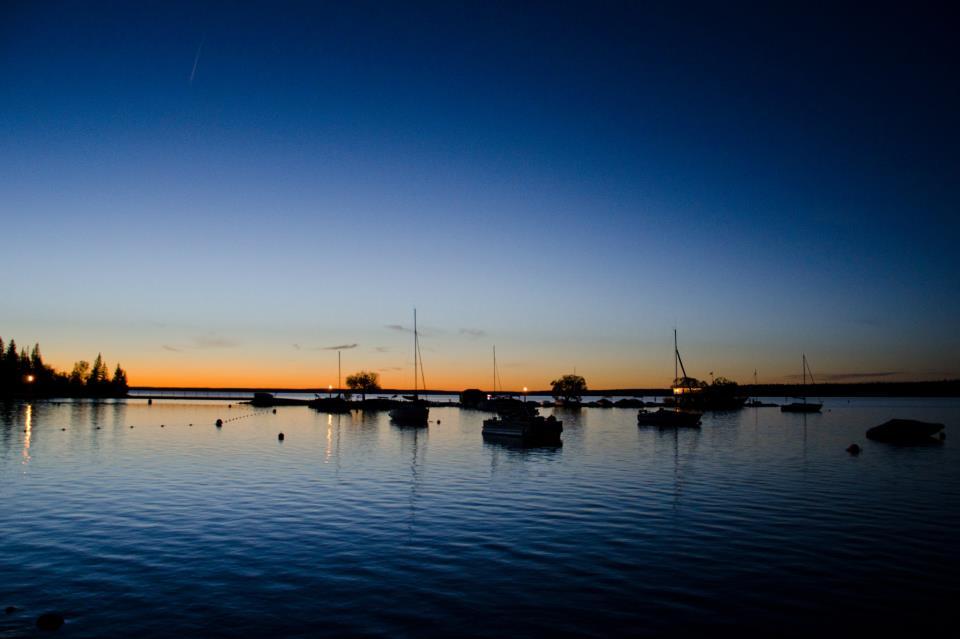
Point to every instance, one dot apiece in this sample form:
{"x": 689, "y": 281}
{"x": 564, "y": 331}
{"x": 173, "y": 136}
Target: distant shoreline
{"x": 944, "y": 388}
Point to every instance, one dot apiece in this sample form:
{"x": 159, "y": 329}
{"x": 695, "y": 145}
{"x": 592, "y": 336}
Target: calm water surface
{"x": 758, "y": 522}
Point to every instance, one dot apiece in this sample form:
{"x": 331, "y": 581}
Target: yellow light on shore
{"x": 30, "y": 379}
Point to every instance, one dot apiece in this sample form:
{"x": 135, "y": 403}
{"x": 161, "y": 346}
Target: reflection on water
{"x": 27, "y": 432}
{"x": 351, "y": 525}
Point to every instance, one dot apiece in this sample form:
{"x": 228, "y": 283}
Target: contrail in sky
{"x": 196, "y": 60}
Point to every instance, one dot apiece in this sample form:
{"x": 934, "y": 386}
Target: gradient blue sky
{"x": 565, "y": 180}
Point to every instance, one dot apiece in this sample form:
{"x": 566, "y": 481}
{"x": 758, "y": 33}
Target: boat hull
{"x": 536, "y": 431}
{"x": 330, "y": 405}
{"x": 669, "y": 419}
{"x": 798, "y": 407}
{"x": 412, "y": 415}
{"x": 905, "y": 431}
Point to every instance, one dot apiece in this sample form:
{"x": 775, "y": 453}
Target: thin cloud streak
{"x": 196, "y": 59}
{"x": 207, "y": 342}
{"x": 425, "y": 331}
{"x": 338, "y": 347}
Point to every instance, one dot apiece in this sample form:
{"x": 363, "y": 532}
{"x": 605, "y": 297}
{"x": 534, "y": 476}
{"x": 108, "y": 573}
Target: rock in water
{"x": 853, "y": 449}
{"x": 9, "y": 610}
{"x": 904, "y": 431}
{"x": 219, "y": 423}
{"x": 49, "y": 621}
{"x": 280, "y": 436}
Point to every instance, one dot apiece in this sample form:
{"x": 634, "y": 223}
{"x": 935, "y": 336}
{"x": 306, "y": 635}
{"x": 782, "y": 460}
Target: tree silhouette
{"x": 98, "y": 374}
{"x": 364, "y": 382}
{"x": 23, "y": 373}
{"x": 80, "y": 373}
{"x": 569, "y": 388}
{"x": 119, "y": 381}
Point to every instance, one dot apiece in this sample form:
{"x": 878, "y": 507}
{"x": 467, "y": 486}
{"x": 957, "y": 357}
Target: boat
{"x": 696, "y": 396}
{"x": 684, "y": 388}
{"x": 905, "y": 431}
{"x": 497, "y": 400}
{"x": 524, "y": 426}
{"x": 414, "y": 412}
{"x": 675, "y": 418}
{"x": 804, "y": 406}
{"x": 755, "y": 402}
{"x": 332, "y": 404}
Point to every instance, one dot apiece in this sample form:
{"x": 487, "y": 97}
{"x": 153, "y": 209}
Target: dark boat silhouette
{"x": 523, "y": 425}
{"x": 416, "y": 412}
{"x": 905, "y": 431}
{"x": 330, "y": 405}
{"x": 674, "y": 417}
{"x": 336, "y": 404}
{"x": 669, "y": 418}
{"x": 804, "y": 406}
{"x": 693, "y": 395}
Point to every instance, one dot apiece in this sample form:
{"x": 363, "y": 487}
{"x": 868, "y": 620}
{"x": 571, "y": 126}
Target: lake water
{"x": 757, "y": 522}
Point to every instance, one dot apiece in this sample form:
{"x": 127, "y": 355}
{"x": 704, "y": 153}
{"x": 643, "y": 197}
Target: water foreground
{"x": 757, "y": 522}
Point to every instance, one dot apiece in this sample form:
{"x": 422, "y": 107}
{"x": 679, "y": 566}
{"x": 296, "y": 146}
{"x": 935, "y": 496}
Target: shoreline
{"x": 943, "y": 388}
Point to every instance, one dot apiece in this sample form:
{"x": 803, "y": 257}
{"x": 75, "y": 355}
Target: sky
{"x": 219, "y": 193}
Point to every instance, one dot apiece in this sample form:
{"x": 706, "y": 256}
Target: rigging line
{"x": 423, "y": 379}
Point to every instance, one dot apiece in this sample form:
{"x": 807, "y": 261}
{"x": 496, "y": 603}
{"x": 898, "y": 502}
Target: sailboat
{"x": 332, "y": 404}
{"x": 416, "y": 412}
{"x": 681, "y": 386}
{"x": 755, "y": 401}
{"x": 804, "y": 406}
{"x": 497, "y": 399}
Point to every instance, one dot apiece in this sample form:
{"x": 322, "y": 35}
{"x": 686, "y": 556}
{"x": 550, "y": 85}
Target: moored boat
{"x": 905, "y": 431}
{"x": 669, "y": 418}
{"x": 525, "y": 426}
{"x": 330, "y": 405}
{"x": 416, "y": 412}
{"x": 803, "y": 406}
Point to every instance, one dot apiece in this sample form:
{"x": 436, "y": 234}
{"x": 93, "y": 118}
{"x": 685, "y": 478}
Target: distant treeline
{"x": 941, "y": 388}
{"x": 945, "y": 388}
{"x": 24, "y": 374}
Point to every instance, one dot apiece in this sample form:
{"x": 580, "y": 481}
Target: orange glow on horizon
{"x": 256, "y": 376}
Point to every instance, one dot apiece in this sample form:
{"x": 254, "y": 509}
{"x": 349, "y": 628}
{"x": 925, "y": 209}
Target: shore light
{"x": 30, "y": 379}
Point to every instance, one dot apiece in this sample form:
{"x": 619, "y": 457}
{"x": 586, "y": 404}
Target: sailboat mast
{"x": 494, "y": 369}
{"x": 416, "y": 348}
{"x": 338, "y": 374}
{"x": 804, "y": 378}
{"x": 676, "y": 356}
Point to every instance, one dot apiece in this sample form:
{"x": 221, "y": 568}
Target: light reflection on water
{"x": 351, "y": 525}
